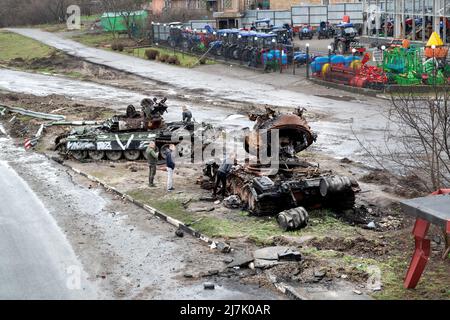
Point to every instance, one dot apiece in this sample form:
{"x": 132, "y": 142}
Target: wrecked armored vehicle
{"x": 291, "y": 185}
{"x": 126, "y": 135}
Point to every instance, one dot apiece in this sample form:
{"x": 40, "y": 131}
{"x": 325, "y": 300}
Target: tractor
{"x": 261, "y": 25}
{"x": 346, "y": 39}
{"x": 244, "y": 46}
{"x": 230, "y": 43}
{"x": 305, "y": 32}
{"x": 283, "y": 35}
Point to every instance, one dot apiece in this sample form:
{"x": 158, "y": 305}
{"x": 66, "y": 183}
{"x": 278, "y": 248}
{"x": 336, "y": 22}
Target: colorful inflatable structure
{"x": 409, "y": 65}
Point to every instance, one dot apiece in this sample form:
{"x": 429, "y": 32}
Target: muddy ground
{"x": 336, "y": 246}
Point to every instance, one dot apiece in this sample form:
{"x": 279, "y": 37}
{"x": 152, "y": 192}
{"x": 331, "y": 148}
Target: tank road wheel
{"x": 96, "y": 155}
{"x": 114, "y": 155}
{"x": 132, "y": 155}
{"x": 79, "y": 154}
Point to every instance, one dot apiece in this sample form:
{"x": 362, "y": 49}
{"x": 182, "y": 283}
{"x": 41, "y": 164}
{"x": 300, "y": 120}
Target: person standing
{"x": 223, "y": 172}
{"x": 187, "y": 115}
{"x": 152, "y": 156}
{"x": 170, "y": 165}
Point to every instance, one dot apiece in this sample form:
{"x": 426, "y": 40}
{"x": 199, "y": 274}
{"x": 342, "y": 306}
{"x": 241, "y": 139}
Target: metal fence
{"x": 333, "y": 13}
{"x": 161, "y": 31}
{"x": 277, "y": 17}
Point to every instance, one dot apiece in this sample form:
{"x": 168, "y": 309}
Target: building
{"x": 188, "y": 8}
{"x": 411, "y": 19}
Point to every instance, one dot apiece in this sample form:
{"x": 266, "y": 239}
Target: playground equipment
{"x": 410, "y": 65}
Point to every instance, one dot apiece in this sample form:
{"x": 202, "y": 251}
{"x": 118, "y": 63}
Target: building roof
{"x": 123, "y": 13}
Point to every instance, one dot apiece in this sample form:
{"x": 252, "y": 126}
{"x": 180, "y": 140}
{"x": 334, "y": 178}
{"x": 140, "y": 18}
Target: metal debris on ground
{"x": 267, "y": 190}
{"x": 232, "y": 202}
{"x": 293, "y": 219}
{"x": 208, "y": 286}
{"x": 179, "y": 233}
{"x": 223, "y": 247}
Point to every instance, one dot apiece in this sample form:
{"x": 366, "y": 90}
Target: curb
{"x": 280, "y": 286}
{"x": 155, "y": 212}
{"x": 343, "y": 87}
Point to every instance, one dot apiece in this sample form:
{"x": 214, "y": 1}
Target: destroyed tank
{"x": 293, "y": 185}
{"x": 124, "y": 135}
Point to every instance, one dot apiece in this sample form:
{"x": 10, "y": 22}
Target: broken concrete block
{"x": 241, "y": 260}
{"x": 277, "y": 253}
{"x": 228, "y": 259}
{"x": 290, "y": 255}
{"x": 266, "y": 264}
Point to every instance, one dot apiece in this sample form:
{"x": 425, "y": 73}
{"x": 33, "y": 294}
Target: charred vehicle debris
{"x": 294, "y": 185}
{"x": 128, "y": 135}
{"x": 286, "y": 187}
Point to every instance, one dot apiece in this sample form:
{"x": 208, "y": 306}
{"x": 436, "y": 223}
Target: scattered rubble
{"x": 232, "y": 202}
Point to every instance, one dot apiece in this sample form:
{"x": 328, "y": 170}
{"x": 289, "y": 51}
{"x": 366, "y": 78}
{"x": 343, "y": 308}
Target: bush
{"x": 173, "y": 60}
{"x": 203, "y": 61}
{"x": 151, "y": 54}
{"x": 117, "y": 46}
{"x": 163, "y": 57}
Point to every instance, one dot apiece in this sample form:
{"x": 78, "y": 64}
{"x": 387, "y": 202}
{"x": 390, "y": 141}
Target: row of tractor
{"x": 255, "y": 47}
{"x": 248, "y": 46}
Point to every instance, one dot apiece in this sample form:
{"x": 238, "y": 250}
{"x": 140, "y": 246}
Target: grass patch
{"x": 238, "y": 224}
{"x": 16, "y": 46}
{"x": 95, "y": 39}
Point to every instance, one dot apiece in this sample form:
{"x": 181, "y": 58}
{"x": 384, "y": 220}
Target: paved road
{"x": 36, "y": 260}
{"x": 222, "y": 86}
{"x": 124, "y": 252}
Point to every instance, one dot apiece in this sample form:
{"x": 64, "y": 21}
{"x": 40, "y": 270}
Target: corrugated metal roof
{"x": 123, "y": 13}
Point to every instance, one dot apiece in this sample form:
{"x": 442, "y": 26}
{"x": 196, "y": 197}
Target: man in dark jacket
{"x": 152, "y": 156}
{"x": 222, "y": 173}
{"x": 187, "y": 115}
{"x": 170, "y": 165}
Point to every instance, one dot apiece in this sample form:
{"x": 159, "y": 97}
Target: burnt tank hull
{"x": 287, "y": 182}
{"x": 124, "y": 136}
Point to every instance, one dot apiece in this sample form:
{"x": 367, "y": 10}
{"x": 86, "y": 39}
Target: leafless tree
{"x": 418, "y": 137}
{"x": 58, "y": 8}
{"x": 31, "y": 12}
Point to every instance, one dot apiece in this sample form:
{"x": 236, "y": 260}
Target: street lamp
{"x": 329, "y": 54}
{"x": 307, "y": 60}
{"x": 383, "y": 48}
{"x": 433, "y": 47}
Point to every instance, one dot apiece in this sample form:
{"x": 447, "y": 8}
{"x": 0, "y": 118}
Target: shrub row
{"x": 153, "y": 54}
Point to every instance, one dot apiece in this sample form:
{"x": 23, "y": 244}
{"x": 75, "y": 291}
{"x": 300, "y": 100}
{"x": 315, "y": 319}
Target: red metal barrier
{"x": 422, "y": 248}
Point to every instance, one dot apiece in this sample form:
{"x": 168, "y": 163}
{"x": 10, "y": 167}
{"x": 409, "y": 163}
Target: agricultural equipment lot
{"x": 111, "y": 221}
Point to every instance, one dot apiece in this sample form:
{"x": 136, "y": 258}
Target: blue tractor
{"x": 216, "y": 46}
{"x": 244, "y": 45}
{"x": 305, "y": 33}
